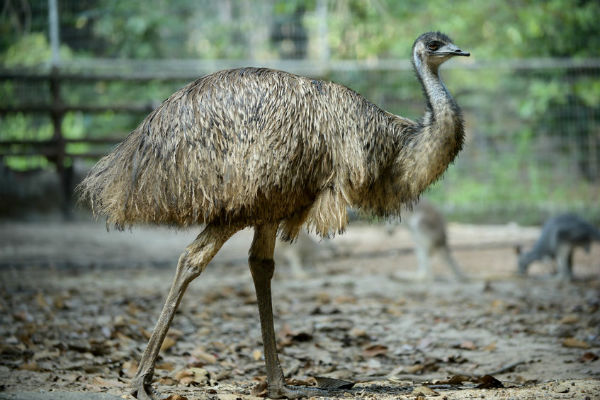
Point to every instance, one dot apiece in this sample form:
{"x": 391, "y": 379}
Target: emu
{"x": 274, "y": 151}
{"x": 560, "y": 236}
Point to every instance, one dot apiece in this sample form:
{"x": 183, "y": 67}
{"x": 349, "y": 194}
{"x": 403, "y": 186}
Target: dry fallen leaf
{"x": 133, "y": 309}
{"x": 23, "y": 316}
{"x": 190, "y": 376}
{"x": 359, "y": 333}
{"x": 41, "y": 300}
{"x": 288, "y": 337}
{"x": 167, "y": 366}
{"x": 489, "y": 382}
{"x": 413, "y": 369}
{"x": 203, "y": 356}
{"x": 323, "y": 298}
{"x": 130, "y": 368}
{"x": 497, "y": 305}
{"x": 260, "y": 389}
{"x": 468, "y": 345}
{"x": 456, "y": 380}
{"x": 424, "y": 391}
{"x": 576, "y": 343}
{"x": 490, "y": 347}
{"x": 176, "y": 397}
{"x": 301, "y": 382}
{"x": 58, "y": 302}
{"x": 562, "y": 388}
{"x": 569, "y": 319}
{"x": 256, "y": 355}
{"x": 375, "y": 350}
{"x": 175, "y": 333}
{"x": 344, "y": 299}
{"x": 167, "y": 343}
{"x": 30, "y": 366}
{"x": 588, "y": 356}
{"x": 167, "y": 381}
{"x": 146, "y": 333}
{"x": 112, "y": 383}
{"x": 122, "y": 337}
{"x": 46, "y": 354}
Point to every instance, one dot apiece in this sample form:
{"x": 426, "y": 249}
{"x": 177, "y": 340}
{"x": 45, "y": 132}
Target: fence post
{"x": 57, "y": 112}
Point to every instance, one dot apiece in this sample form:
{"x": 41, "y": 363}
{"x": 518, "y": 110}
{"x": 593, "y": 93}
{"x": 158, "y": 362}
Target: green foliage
{"x": 508, "y": 113}
{"x": 31, "y": 50}
{"x": 19, "y": 126}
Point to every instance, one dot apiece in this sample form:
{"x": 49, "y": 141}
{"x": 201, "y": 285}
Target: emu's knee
{"x": 189, "y": 267}
{"x": 261, "y": 267}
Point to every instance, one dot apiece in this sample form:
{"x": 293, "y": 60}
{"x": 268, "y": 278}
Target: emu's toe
{"x": 296, "y": 392}
{"x": 142, "y": 390}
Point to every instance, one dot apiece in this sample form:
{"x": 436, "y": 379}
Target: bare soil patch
{"x": 76, "y": 309}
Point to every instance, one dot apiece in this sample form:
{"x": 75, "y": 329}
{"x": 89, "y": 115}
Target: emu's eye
{"x": 433, "y": 46}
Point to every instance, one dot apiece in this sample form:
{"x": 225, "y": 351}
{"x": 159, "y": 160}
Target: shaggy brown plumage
{"x": 276, "y": 151}
{"x": 250, "y": 145}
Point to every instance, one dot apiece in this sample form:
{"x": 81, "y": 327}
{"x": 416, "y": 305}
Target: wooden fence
{"x": 55, "y": 150}
{"x": 562, "y": 154}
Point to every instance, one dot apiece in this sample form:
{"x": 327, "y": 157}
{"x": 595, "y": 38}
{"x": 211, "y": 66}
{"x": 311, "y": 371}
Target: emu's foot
{"x": 141, "y": 388}
{"x": 296, "y": 392}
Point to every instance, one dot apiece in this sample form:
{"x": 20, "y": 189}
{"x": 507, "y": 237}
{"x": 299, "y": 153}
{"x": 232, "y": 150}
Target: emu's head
{"x": 433, "y": 48}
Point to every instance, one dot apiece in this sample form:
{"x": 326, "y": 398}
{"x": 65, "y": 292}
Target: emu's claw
{"x": 142, "y": 390}
{"x": 296, "y": 392}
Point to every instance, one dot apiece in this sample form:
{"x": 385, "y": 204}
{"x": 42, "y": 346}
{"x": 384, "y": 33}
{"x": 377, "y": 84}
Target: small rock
{"x": 562, "y": 388}
{"x": 424, "y": 391}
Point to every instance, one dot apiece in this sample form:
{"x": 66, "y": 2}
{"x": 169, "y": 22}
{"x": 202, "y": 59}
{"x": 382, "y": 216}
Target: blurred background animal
{"x": 304, "y": 253}
{"x": 427, "y": 226}
{"x": 560, "y": 236}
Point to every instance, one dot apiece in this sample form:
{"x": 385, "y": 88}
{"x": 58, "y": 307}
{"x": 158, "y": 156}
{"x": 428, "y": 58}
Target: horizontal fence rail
{"x": 187, "y": 69}
{"x": 495, "y": 128}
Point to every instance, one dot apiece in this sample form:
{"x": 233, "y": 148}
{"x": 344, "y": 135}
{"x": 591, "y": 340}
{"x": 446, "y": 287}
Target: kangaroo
{"x": 428, "y": 229}
{"x": 559, "y": 238}
{"x": 302, "y": 253}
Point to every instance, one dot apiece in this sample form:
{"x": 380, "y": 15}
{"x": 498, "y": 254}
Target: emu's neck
{"x": 441, "y": 107}
{"x": 437, "y": 139}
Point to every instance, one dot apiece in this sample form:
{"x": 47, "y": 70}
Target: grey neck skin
{"x": 439, "y": 100}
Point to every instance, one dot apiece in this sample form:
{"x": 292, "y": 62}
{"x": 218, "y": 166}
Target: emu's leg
{"x": 262, "y": 268}
{"x": 191, "y": 264}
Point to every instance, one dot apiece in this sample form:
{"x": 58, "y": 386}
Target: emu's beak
{"x": 452, "y": 50}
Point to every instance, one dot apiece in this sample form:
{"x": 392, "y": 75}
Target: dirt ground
{"x": 77, "y": 305}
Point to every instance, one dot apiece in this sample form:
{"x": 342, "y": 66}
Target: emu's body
{"x": 560, "y": 236}
{"x": 246, "y": 146}
{"x": 264, "y": 148}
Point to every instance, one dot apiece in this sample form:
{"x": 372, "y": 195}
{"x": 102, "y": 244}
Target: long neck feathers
{"x": 442, "y": 111}
{"x": 438, "y": 137}
{"x": 425, "y": 149}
